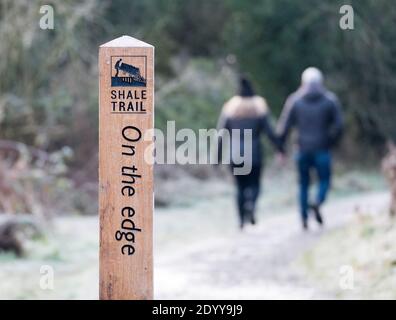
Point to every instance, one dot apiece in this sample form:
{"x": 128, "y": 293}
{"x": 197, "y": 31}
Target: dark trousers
{"x": 320, "y": 162}
{"x": 248, "y": 187}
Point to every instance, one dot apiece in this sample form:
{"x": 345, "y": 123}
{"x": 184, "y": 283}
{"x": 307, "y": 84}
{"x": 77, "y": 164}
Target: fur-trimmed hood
{"x": 245, "y": 107}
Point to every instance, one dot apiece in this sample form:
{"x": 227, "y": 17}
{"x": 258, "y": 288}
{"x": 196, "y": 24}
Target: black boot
{"x": 318, "y": 216}
{"x": 250, "y": 216}
{"x": 242, "y": 219}
{"x": 305, "y": 224}
{"x": 249, "y": 212}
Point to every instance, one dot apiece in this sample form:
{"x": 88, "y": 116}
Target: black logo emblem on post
{"x": 128, "y": 71}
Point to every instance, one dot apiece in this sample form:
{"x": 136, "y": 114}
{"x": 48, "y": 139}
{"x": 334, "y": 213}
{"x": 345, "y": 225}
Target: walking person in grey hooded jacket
{"x": 316, "y": 114}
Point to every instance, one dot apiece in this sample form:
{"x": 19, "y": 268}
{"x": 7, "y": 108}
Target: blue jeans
{"x": 320, "y": 161}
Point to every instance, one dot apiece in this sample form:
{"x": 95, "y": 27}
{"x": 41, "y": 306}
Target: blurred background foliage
{"x": 49, "y": 86}
{"x": 49, "y": 142}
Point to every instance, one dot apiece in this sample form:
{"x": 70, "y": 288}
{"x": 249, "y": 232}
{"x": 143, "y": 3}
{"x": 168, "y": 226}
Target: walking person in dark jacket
{"x": 316, "y": 114}
{"x": 247, "y": 111}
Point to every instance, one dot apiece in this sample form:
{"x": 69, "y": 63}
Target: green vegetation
{"x": 49, "y": 95}
{"x": 49, "y": 84}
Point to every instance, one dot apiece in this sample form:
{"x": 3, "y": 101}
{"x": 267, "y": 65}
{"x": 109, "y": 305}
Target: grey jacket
{"x": 316, "y": 114}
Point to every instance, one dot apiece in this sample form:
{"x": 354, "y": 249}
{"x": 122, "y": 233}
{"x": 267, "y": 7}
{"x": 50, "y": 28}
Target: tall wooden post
{"x": 126, "y": 112}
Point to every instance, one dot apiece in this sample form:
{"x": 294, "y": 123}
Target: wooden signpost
{"x": 126, "y": 112}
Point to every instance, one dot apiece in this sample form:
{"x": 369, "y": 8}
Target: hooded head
{"x": 245, "y": 87}
{"x": 312, "y": 77}
{"x": 312, "y": 83}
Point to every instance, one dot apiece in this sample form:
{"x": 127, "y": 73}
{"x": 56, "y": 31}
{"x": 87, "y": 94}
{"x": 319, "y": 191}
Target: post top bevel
{"x": 125, "y": 42}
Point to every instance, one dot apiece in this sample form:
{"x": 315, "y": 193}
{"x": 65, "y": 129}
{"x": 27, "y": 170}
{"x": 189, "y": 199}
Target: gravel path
{"x": 258, "y": 263}
{"x": 199, "y": 252}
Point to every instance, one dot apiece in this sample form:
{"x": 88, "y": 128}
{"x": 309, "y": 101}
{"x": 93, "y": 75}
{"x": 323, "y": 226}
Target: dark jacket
{"x": 316, "y": 114}
{"x": 247, "y": 113}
